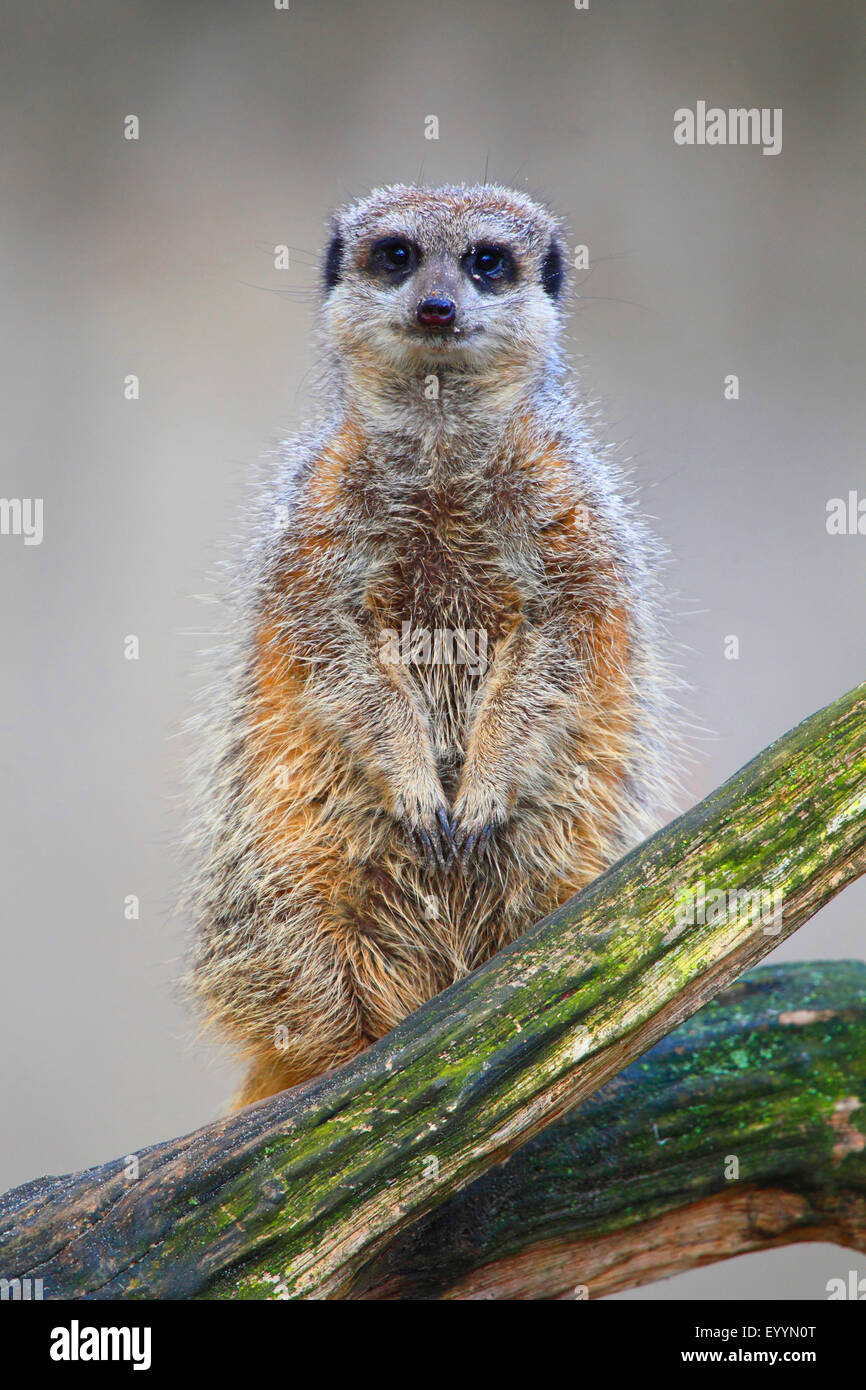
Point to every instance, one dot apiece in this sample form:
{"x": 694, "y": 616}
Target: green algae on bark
{"x": 747, "y": 1094}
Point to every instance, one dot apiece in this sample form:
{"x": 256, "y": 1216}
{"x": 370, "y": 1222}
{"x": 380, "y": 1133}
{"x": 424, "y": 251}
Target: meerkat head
{"x": 430, "y": 279}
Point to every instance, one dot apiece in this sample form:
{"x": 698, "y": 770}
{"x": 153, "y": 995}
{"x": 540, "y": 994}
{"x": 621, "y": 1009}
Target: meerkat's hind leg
{"x": 269, "y": 1074}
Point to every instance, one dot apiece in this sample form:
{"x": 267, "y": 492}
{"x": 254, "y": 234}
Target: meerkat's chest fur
{"x": 449, "y": 539}
{"x": 440, "y": 557}
{"x": 446, "y": 563}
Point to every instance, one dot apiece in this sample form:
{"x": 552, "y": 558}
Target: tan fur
{"x": 320, "y": 926}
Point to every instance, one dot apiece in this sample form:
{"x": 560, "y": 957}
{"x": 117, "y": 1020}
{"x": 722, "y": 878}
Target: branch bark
{"x": 741, "y": 1131}
{"x": 295, "y": 1196}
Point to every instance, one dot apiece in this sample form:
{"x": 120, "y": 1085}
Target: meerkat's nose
{"x": 436, "y": 311}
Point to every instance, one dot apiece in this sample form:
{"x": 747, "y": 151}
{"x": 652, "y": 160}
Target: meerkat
{"x": 445, "y": 710}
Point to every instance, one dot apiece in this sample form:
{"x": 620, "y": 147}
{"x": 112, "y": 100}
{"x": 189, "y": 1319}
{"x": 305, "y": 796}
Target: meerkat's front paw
{"x": 428, "y": 829}
{"x": 479, "y": 809}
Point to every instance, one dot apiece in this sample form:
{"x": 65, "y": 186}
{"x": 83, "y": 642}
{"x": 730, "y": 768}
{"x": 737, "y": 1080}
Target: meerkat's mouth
{"x": 446, "y": 336}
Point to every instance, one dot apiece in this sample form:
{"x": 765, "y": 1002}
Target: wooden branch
{"x": 293, "y": 1197}
{"x": 742, "y": 1130}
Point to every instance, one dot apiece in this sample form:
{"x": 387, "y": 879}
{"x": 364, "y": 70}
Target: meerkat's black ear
{"x": 551, "y": 270}
{"x": 333, "y": 268}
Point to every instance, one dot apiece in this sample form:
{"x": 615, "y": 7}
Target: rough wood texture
{"x": 293, "y": 1197}
{"x": 638, "y": 1183}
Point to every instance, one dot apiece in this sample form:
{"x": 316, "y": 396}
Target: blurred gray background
{"x": 156, "y": 257}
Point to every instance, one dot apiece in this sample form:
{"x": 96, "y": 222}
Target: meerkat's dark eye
{"x": 489, "y": 264}
{"x": 393, "y": 258}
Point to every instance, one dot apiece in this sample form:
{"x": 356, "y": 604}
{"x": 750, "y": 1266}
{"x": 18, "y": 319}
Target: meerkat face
{"x": 467, "y": 277}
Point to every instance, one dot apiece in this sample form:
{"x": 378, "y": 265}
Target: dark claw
{"x": 443, "y": 821}
{"x": 477, "y": 841}
{"x": 467, "y": 848}
{"x": 437, "y": 846}
{"x": 427, "y": 843}
{"x": 448, "y": 832}
{"x": 410, "y": 833}
{"x": 433, "y": 847}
